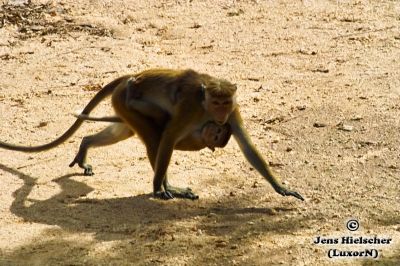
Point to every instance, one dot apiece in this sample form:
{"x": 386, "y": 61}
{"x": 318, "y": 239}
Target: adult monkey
{"x": 220, "y": 102}
{"x": 197, "y": 98}
{"x": 211, "y": 135}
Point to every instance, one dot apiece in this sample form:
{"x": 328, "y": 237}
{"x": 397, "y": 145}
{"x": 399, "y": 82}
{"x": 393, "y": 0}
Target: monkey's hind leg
{"x": 110, "y": 135}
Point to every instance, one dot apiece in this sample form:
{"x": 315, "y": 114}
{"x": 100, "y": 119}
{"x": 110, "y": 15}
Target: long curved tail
{"x": 110, "y": 119}
{"x": 101, "y": 95}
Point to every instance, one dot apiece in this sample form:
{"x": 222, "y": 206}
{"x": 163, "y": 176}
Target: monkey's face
{"x": 214, "y": 135}
{"x": 219, "y": 108}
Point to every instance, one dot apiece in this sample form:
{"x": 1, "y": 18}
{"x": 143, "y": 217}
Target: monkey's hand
{"x": 183, "y": 193}
{"x": 285, "y": 192}
{"x": 164, "y": 195}
{"x": 174, "y": 192}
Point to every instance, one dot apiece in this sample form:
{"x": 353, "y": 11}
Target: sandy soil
{"x": 319, "y": 87}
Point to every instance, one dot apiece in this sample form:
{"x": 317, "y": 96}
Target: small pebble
{"x": 319, "y": 124}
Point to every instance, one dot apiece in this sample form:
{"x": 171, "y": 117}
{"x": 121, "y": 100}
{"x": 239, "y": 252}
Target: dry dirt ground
{"x": 319, "y": 88}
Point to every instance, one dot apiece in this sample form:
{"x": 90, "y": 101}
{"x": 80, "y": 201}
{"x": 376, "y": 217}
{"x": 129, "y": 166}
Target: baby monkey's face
{"x": 214, "y": 135}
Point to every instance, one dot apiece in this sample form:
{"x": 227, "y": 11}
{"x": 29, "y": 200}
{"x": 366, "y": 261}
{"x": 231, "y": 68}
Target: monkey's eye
{"x": 215, "y": 102}
{"x": 227, "y": 102}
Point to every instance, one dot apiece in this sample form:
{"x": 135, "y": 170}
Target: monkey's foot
{"x": 183, "y": 193}
{"x": 87, "y": 168}
{"x": 286, "y": 192}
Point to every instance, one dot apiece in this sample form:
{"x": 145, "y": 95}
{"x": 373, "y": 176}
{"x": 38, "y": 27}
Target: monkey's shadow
{"x": 118, "y": 218}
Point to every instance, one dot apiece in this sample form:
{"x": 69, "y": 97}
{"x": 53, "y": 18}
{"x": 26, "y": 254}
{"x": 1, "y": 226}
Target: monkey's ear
{"x": 203, "y": 91}
{"x": 235, "y": 87}
{"x": 131, "y": 81}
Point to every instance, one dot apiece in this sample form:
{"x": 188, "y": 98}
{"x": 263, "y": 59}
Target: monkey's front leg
{"x": 163, "y": 158}
{"x": 166, "y": 191}
{"x": 254, "y": 157}
{"x": 161, "y": 187}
